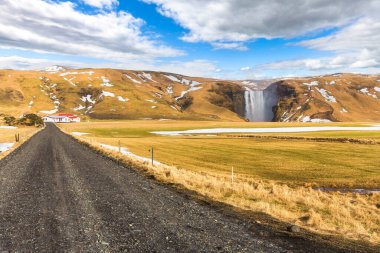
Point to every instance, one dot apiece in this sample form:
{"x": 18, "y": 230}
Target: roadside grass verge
{"x": 8, "y": 136}
{"x": 351, "y": 216}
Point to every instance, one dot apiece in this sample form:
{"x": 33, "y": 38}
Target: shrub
{"x": 185, "y": 102}
{"x": 10, "y": 120}
{"x": 31, "y": 120}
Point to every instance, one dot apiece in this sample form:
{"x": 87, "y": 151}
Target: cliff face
{"x": 229, "y": 96}
{"x": 340, "y": 97}
{"x": 271, "y": 96}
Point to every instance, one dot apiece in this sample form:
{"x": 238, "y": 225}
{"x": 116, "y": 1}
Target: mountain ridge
{"x": 127, "y": 94}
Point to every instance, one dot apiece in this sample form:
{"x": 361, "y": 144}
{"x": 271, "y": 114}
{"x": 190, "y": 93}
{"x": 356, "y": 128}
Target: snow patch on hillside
{"x": 70, "y": 81}
{"x": 54, "y": 69}
{"x": 366, "y": 91}
{"x": 48, "y": 89}
{"x": 108, "y": 94}
{"x": 169, "y": 90}
{"x": 88, "y": 99}
{"x": 121, "y": 99}
{"x": 308, "y": 119}
{"x": 132, "y": 79}
{"x": 183, "y": 93}
{"x": 313, "y": 83}
{"x": 6, "y": 146}
{"x": 146, "y": 76}
{"x": 79, "y": 107}
{"x": 183, "y": 81}
{"x": 90, "y": 73}
{"x": 106, "y": 82}
{"x": 327, "y": 95}
{"x": 173, "y": 78}
{"x": 377, "y": 89}
{"x": 49, "y": 112}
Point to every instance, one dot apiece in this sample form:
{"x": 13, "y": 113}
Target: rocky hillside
{"x": 119, "y": 94}
{"x": 124, "y": 94}
{"x": 338, "y": 97}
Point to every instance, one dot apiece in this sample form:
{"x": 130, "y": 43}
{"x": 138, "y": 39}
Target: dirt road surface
{"x": 57, "y": 195}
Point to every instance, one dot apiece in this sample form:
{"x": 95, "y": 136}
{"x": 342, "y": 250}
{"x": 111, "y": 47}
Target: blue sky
{"x": 234, "y": 39}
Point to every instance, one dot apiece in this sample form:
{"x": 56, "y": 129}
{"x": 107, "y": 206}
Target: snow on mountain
{"x": 326, "y": 95}
{"x": 54, "y": 69}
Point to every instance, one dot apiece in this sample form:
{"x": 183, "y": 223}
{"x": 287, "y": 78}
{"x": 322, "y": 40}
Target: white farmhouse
{"x": 61, "y": 118}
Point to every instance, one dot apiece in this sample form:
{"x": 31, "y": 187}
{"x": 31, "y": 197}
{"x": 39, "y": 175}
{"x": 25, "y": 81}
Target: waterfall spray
{"x": 258, "y": 104}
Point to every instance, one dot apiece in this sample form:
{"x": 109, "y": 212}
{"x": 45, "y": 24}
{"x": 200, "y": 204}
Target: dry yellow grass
{"x": 294, "y": 162}
{"x": 8, "y": 136}
{"x": 351, "y": 215}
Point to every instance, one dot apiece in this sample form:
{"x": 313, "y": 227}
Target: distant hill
{"x": 125, "y": 94}
{"x": 338, "y": 97}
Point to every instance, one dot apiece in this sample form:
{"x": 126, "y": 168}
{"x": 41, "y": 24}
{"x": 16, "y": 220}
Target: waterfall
{"x": 259, "y": 103}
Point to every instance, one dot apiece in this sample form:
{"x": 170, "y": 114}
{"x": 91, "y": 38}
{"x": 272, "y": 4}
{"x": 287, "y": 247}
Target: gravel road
{"x": 57, "y": 195}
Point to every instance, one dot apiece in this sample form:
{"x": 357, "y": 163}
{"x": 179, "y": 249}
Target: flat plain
{"x": 291, "y": 161}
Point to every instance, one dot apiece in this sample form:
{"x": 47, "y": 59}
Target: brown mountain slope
{"x": 339, "y": 97}
{"x": 110, "y": 94}
{"x": 124, "y": 94}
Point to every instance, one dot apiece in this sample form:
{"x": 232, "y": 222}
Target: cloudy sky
{"x": 236, "y": 39}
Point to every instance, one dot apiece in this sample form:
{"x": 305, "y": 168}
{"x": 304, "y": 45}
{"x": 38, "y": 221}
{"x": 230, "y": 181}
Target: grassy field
{"x": 271, "y": 176}
{"x": 295, "y": 162}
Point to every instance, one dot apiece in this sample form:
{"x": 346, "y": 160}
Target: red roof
{"x": 67, "y": 115}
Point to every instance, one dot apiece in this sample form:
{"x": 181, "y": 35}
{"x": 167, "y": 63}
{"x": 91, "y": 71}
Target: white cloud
{"x": 57, "y": 27}
{"x": 202, "y": 68}
{"x": 229, "y": 45}
{"x": 102, "y": 4}
{"x": 357, "y": 45}
{"x": 217, "y": 22}
{"x": 245, "y": 69}
{"x": 309, "y": 64}
{"x": 23, "y": 63}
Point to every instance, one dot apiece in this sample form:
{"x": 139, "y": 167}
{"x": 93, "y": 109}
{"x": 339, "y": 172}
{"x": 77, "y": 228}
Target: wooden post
{"x": 119, "y": 147}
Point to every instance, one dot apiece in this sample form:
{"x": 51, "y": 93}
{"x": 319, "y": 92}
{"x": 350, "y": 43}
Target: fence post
{"x": 17, "y": 137}
{"x": 119, "y": 145}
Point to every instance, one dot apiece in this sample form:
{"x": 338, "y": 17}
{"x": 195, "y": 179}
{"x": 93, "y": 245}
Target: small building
{"x": 61, "y": 118}
{"x": 48, "y": 119}
{"x": 72, "y": 117}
